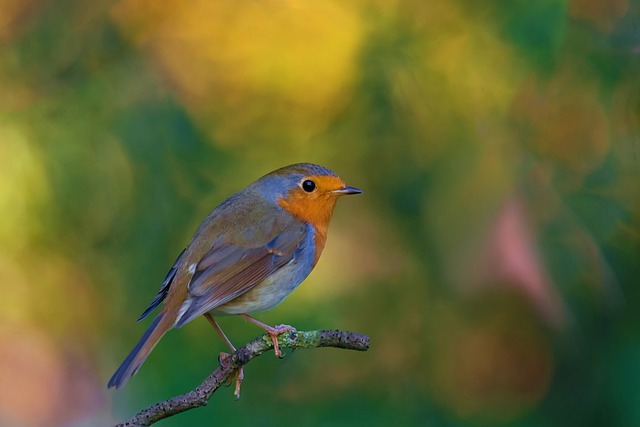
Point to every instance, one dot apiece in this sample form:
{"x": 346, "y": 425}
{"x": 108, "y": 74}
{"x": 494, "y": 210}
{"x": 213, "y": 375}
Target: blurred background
{"x": 493, "y": 259}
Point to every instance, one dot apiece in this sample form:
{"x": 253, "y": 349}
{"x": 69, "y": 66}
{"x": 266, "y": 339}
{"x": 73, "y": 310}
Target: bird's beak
{"x": 346, "y": 190}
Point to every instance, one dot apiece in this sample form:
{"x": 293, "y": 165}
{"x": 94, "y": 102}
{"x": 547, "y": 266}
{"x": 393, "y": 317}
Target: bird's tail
{"x": 160, "y": 325}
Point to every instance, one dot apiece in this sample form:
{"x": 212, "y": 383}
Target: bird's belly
{"x": 271, "y": 291}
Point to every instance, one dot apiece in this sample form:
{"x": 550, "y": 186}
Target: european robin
{"x": 246, "y": 256}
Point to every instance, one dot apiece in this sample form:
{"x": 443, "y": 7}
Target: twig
{"x": 201, "y": 394}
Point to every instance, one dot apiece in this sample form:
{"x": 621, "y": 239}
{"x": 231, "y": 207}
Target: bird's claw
{"x": 239, "y": 378}
{"x": 274, "y": 332}
{"x": 239, "y": 374}
{"x": 222, "y": 357}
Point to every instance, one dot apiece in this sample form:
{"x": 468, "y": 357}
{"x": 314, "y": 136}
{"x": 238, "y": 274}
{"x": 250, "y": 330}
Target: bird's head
{"x": 307, "y": 191}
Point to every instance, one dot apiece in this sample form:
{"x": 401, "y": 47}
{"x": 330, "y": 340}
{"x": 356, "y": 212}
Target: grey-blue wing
{"x": 229, "y": 271}
{"x": 164, "y": 288}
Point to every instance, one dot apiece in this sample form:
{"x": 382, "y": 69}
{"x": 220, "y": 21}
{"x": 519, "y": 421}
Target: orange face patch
{"x": 314, "y": 207}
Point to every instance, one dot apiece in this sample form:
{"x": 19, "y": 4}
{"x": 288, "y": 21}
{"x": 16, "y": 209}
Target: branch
{"x": 201, "y": 394}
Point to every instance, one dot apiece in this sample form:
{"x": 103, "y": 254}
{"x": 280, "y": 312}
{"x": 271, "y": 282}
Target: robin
{"x": 246, "y": 256}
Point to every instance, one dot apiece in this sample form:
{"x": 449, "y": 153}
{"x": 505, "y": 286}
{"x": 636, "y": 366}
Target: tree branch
{"x": 201, "y": 394}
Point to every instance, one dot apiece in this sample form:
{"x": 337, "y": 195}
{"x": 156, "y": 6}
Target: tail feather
{"x": 139, "y": 354}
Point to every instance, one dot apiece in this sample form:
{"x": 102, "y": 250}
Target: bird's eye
{"x": 308, "y": 185}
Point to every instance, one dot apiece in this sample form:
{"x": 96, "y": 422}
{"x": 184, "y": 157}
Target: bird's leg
{"x": 273, "y": 332}
{"x": 223, "y": 356}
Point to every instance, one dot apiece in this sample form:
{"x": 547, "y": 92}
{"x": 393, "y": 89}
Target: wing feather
{"x": 164, "y": 288}
{"x": 230, "y": 270}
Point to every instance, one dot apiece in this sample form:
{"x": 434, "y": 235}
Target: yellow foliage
{"x": 23, "y": 188}
{"x": 292, "y": 61}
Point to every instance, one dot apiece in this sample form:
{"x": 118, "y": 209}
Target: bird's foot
{"x": 239, "y": 374}
{"x": 223, "y": 357}
{"x": 274, "y": 332}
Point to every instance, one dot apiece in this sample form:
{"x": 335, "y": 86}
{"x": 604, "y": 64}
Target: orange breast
{"x": 316, "y": 212}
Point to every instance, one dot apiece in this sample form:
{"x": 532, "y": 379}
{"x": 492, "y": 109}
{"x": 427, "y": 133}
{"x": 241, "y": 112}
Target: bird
{"x": 246, "y": 256}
